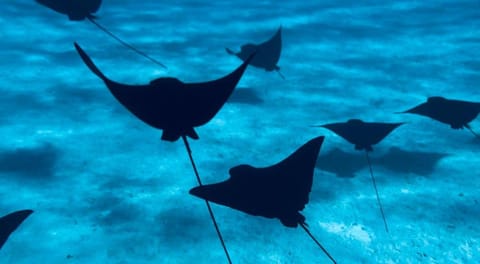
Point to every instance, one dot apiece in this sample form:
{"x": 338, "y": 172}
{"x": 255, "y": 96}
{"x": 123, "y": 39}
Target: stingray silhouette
{"x": 169, "y": 104}
{"x": 173, "y": 106}
{"x": 78, "y": 10}
{"x": 363, "y": 135}
{"x": 456, "y": 113}
{"x": 279, "y": 191}
{"x": 267, "y": 53}
{"x": 10, "y": 223}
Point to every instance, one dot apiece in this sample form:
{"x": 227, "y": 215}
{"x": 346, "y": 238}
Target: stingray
{"x": 10, "y": 223}
{"x": 456, "y": 113}
{"x": 267, "y": 53}
{"x": 79, "y": 10}
{"x": 175, "y": 107}
{"x": 363, "y": 135}
{"x": 279, "y": 191}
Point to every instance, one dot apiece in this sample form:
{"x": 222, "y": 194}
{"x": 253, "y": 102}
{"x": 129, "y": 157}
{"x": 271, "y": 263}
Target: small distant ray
{"x": 173, "y": 106}
{"x": 267, "y": 53}
{"x": 78, "y": 10}
{"x": 456, "y": 113}
{"x": 363, "y": 135}
{"x": 10, "y": 223}
{"x": 279, "y": 191}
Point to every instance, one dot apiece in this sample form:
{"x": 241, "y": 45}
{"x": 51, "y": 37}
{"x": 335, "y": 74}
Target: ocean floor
{"x": 106, "y": 189}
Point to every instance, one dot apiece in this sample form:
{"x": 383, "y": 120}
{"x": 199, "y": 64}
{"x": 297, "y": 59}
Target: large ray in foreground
{"x": 267, "y": 53}
{"x": 279, "y": 191}
{"x": 169, "y": 104}
{"x": 10, "y": 223}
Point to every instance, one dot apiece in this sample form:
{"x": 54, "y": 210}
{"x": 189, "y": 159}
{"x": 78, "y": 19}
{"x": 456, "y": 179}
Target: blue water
{"x": 105, "y": 189}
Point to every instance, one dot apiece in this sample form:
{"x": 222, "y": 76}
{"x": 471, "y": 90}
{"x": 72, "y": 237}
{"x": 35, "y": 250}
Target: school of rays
{"x": 179, "y": 109}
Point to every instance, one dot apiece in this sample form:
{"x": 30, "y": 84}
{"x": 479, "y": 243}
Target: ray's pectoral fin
{"x": 54, "y": 5}
{"x": 86, "y": 59}
{"x": 10, "y": 223}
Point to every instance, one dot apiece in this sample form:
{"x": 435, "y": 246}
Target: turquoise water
{"x": 105, "y": 189}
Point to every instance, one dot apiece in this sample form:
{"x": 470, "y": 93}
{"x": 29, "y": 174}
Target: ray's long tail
{"x": 212, "y": 216}
{"x": 318, "y": 243}
{"x": 473, "y": 131}
{"x": 376, "y": 192}
{"x": 279, "y": 73}
{"x": 141, "y": 53}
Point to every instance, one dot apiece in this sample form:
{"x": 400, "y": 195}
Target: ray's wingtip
{"x": 319, "y": 139}
{"x": 229, "y": 51}
{"x": 409, "y": 111}
{"x": 404, "y": 111}
{"x": 27, "y": 211}
{"x": 195, "y": 191}
{"x": 24, "y": 213}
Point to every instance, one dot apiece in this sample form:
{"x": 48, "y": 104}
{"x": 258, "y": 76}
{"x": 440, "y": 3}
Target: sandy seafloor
{"x": 105, "y": 189}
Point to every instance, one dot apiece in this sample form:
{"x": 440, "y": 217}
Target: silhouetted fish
{"x": 363, "y": 135}
{"x": 267, "y": 53}
{"x": 455, "y": 113}
{"x": 10, "y": 223}
{"x": 169, "y": 104}
{"x": 279, "y": 191}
